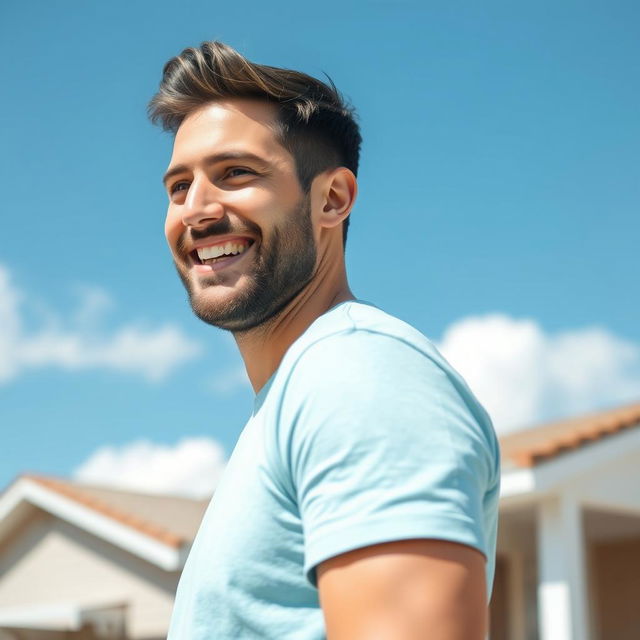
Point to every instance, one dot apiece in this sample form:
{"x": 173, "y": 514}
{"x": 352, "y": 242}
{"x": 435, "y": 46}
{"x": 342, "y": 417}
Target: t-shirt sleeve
{"x": 383, "y": 444}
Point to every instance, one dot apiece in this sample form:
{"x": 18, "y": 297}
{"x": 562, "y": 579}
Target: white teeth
{"x": 228, "y": 248}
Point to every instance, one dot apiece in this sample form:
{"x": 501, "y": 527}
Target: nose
{"x": 202, "y": 205}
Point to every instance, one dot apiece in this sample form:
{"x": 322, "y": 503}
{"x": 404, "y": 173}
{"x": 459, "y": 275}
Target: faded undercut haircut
{"x": 314, "y": 123}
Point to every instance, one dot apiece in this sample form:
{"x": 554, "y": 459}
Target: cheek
{"x": 173, "y": 227}
{"x": 250, "y": 202}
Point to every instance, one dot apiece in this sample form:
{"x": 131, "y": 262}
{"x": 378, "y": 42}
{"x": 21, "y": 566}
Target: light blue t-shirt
{"x": 363, "y": 435}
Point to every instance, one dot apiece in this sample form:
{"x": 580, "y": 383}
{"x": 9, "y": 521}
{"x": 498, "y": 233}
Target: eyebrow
{"x": 213, "y": 159}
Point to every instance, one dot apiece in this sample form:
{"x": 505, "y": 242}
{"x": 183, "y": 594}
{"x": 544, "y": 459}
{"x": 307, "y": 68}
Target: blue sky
{"x": 498, "y": 213}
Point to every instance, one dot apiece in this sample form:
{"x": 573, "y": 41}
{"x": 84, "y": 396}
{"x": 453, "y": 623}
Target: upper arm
{"x": 381, "y": 444}
{"x": 405, "y": 590}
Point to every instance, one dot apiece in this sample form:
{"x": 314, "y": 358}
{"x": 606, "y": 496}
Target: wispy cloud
{"x": 191, "y": 467}
{"x": 521, "y": 374}
{"x": 11, "y": 327}
{"x": 524, "y": 375}
{"x": 76, "y": 343}
{"x": 94, "y": 305}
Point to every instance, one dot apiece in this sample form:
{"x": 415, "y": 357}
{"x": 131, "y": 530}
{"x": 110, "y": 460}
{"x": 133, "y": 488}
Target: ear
{"x": 339, "y": 190}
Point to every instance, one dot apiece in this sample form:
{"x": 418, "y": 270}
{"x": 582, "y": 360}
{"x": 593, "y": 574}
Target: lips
{"x": 215, "y": 254}
{"x": 221, "y": 250}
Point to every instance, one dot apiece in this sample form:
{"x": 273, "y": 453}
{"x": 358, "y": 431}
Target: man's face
{"x": 238, "y": 224}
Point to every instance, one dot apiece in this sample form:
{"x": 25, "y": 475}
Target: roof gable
{"x": 97, "y": 511}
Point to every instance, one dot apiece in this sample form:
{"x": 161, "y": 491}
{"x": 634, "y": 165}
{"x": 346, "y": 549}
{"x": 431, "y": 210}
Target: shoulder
{"x": 379, "y": 439}
{"x": 360, "y": 338}
{"x": 359, "y": 350}
{"x": 362, "y": 374}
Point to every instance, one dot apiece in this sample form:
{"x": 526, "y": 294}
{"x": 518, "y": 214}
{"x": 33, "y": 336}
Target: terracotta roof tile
{"x": 76, "y": 494}
{"x": 545, "y": 442}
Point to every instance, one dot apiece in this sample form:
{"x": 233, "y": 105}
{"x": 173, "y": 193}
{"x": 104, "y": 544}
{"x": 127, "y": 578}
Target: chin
{"x": 217, "y": 309}
{"x": 228, "y": 308}
{"x": 248, "y": 309}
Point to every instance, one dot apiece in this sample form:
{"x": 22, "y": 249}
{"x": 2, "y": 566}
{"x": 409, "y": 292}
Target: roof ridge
{"x": 75, "y": 493}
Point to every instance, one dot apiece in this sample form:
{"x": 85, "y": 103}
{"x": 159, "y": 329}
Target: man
{"x": 360, "y": 501}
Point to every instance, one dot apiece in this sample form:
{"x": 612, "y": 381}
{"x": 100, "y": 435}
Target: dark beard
{"x": 281, "y": 271}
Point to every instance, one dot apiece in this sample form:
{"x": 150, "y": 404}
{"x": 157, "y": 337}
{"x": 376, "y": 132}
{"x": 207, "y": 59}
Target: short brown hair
{"x": 315, "y": 124}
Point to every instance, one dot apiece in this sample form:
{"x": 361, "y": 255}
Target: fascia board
{"x": 12, "y": 498}
{"x": 570, "y": 466}
{"x": 548, "y": 477}
{"x": 118, "y": 534}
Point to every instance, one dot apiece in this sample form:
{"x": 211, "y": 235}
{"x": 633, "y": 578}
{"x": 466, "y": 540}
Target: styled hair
{"x": 314, "y": 122}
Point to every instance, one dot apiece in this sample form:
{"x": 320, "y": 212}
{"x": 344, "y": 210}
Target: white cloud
{"x": 520, "y": 373}
{"x": 76, "y": 344}
{"x": 153, "y": 353}
{"x": 523, "y": 375}
{"x": 10, "y": 335}
{"x": 191, "y": 467}
{"x": 94, "y": 304}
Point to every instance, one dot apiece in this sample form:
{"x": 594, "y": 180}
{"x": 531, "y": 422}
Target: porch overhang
{"x": 107, "y": 619}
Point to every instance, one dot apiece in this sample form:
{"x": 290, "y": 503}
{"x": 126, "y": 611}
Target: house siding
{"x": 55, "y": 562}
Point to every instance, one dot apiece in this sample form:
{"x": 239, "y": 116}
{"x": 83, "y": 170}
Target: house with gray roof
{"x": 84, "y": 562}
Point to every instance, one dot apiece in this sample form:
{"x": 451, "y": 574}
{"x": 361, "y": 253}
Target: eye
{"x": 179, "y": 186}
{"x": 236, "y": 172}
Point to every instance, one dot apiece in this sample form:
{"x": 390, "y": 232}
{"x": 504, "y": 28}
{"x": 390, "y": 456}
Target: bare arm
{"x": 405, "y": 590}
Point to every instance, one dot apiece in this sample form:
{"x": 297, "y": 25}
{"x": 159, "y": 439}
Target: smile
{"x": 221, "y": 253}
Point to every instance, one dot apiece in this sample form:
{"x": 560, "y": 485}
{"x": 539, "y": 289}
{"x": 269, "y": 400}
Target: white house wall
{"x": 54, "y": 562}
{"x": 614, "y": 485}
{"x": 606, "y": 472}
{"x": 590, "y": 462}
{"x": 602, "y": 476}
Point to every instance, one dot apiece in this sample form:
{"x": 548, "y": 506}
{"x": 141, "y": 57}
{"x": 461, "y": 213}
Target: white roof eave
{"x": 529, "y": 484}
{"x": 121, "y": 535}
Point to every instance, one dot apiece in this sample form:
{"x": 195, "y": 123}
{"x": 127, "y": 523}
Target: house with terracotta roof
{"x": 568, "y": 564}
{"x": 79, "y": 562}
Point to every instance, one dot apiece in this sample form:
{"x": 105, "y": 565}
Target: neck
{"x": 263, "y": 348}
